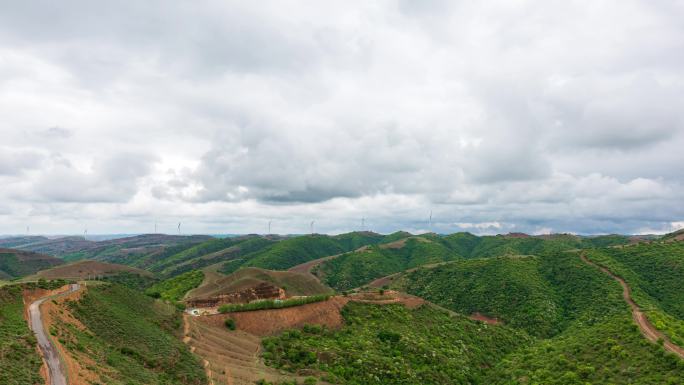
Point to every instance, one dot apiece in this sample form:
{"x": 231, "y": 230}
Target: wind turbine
{"x": 155, "y": 227}
{"x": 312, "y": 227}
{"x": 28, "y": 230}
{"x": 269, "y": 227}
{"x": 363, "y": 224}
{"x": 179, "y": 228}
{"x": 430, "y": 221}
{"x": 85, "y": 234}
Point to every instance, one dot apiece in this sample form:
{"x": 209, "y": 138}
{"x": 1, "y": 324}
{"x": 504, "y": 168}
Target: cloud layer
{"x": 528, "y": 116}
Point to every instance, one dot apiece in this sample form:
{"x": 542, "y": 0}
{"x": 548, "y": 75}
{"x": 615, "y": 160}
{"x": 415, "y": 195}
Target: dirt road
{"x": 51, "y": 356}
{"x": 647, "y": 329}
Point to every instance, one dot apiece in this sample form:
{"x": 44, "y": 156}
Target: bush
{"x": 271, "y": 304}
{"x": 230, "y": 324}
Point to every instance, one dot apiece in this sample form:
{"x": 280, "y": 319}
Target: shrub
{"x": 230, "y": 324}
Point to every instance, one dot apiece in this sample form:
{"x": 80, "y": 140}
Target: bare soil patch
{"x": 230, "y": 357}
{"x": 273, "y": 321}
{"x": 483, "y": 318}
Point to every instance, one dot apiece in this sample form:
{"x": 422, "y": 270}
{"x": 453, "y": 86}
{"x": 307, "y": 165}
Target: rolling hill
{"x": 87, "y": 269}
{"x": 18, "y": 263}
{"x": 294, "y": 284}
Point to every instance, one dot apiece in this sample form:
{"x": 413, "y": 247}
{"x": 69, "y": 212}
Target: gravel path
{"x": 50, "y": 353}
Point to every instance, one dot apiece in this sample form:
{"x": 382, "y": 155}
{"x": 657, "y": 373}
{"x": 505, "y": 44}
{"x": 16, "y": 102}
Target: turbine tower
{"x": 269, "y": 227}
{"x": 155, "y": 227}
{"x": 312, "y": 227}
{"x": 85, "y": 234}
{"x": 430, "y": 221}
{"x": 363, "y": 224}
{"x": 179, "y": 228}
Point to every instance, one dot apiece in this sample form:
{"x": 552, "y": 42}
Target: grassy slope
{"x": 394, "y": 345}
{"x": 198, "y": 259}
{"x": 293, "y": 251}
{"x": 360, "y": 267}
{"x": 19, "y": 360}
{"x": 174, "y": 289}
{"x": 132, "y": 337}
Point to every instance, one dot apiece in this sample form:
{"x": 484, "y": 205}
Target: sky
{"x": 498, "y": 116}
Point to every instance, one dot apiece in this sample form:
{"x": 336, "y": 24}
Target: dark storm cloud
{"x": 498, "y": 116}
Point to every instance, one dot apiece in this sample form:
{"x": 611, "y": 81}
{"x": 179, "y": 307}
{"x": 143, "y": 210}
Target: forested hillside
{"x": 391, "y": 344}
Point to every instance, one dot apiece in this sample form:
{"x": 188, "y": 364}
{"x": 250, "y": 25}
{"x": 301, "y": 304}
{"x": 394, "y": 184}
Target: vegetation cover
{"x": 294, "y": 284}
{"x": 133, "y": 338}
{"x": 19, "y": 360}
{"x": 359, "y": 267}
{"x": 174, "y": 289}
{"x": 391, "y": 344}
{"x": 655, "y": 274}
{"x": 18, "y": 263}
{"x": 271, "y": 304}
{"x": 611, "y": 351}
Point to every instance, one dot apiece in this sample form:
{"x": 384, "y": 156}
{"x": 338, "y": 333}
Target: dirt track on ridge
{"x": 647, "y": 329}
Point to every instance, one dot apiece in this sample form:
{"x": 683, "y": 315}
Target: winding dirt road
{"x": 647, "y": 329}
{"x": 57, "y": 372}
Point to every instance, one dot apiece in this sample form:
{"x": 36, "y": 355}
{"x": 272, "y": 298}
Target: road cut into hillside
{"x": 645, "y": 326}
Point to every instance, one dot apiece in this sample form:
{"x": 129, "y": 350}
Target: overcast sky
{"x": 497, "y": 116}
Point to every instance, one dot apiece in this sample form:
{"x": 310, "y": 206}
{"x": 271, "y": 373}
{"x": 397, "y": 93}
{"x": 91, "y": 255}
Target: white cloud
{"x": 534, "y": 115}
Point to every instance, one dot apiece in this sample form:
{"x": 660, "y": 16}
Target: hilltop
{"x": 294, "y": 284}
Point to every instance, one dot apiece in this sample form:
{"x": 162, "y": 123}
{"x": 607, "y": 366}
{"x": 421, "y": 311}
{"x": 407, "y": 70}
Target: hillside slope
{"x": 18, "y": 263}
{"x": 359, "y": 267}
{"x": 85, "y": 270}
{"x": 119, "y": 336}
{"x": 294, "y": 284}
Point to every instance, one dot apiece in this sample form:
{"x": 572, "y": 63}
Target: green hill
{"x": 133, "y": 338}
{"x": 359, "y": 267}
{"x": 138, "y": 251}
{"x": 211, "y": 252}
{"x": 391, "y": 344}
{"x": 294, "y": 284}
{"x": 18, "y": 263}
{"x": 543, "y": 295}
{"x": 174, "y": 289}
{"x": 655, "y": 273}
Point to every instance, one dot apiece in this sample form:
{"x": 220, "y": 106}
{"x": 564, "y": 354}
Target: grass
{"x": 133, "y": 338}
{"x": 19, "y": 360}
{"x": 271, "y": 304}
{"x": 174, "y": 289}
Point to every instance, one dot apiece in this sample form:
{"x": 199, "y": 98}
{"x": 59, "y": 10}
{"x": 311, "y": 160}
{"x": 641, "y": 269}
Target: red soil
{"x": 481, "y": 317}
{"x": 273, "y": 321}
